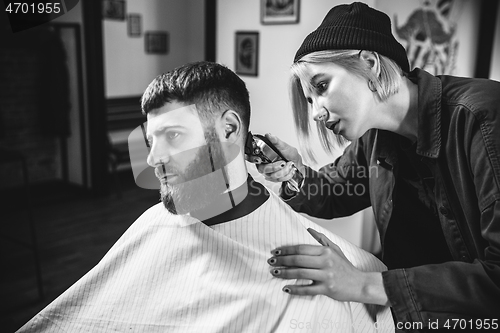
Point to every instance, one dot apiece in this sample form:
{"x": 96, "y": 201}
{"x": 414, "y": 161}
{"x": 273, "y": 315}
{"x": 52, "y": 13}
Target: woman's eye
{"x": 321, "y": 87}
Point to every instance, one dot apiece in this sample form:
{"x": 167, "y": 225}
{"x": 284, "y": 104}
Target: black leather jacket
{"x": 459, "y": 134}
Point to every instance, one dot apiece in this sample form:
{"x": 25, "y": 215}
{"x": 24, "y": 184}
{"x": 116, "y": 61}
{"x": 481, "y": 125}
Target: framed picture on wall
{"x": 247, "y": 53}
{"x": 156, "y": 42}
{"x": 134, "y": 25}
{"x": 279, "y": 11}
{"x": 113, "y": 9}
{"x": 436, "y": 34}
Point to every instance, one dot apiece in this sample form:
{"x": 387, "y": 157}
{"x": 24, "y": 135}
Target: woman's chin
{"x": 346, "y": 135}
{"x": 351, "y": 135}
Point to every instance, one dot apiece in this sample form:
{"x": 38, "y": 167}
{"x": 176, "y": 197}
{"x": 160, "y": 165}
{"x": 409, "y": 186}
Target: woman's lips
{"x": 333, "y": 126}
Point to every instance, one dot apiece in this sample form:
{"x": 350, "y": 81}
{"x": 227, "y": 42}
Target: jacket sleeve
{"x": 338, "y": 189}
{"x": 469, "y": 287}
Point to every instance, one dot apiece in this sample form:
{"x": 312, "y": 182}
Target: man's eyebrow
{"x": 164, "y": 129}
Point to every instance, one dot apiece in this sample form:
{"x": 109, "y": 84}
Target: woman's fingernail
{"x": 271, "y": 261}
{"x": 276, "y": 271}
{"x": 276, "y": 252}
{"x": 287, "y": 290}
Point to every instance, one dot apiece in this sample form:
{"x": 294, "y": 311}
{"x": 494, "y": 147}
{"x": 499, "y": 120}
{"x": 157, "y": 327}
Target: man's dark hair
{"x": 212, "y": 87}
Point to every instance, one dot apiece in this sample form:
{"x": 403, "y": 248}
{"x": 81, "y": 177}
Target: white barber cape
{"x": 171, "y": 273}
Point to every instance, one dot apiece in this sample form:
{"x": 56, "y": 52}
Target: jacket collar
{"x": 429, "y": 113}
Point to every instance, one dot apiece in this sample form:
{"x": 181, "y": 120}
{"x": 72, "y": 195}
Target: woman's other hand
{"x": 280, "y": 171}
{"x": 332, "y": 274}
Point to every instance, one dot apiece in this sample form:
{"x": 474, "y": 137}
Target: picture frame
{"x": 134, "y": 25}
{"x": 247, "y": 53}
{"x": 279, "y": 11}
{"x": 113, "y": 9}
{"x": 447, "y": 53}
{"x": 156, "y": 42}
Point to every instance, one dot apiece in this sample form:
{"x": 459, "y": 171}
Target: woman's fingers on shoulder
{"x": 310, "y": 290}
{"x": 302, "y": 249}
{"x": 297, "y": 273}
{"x": 297, "y": 260}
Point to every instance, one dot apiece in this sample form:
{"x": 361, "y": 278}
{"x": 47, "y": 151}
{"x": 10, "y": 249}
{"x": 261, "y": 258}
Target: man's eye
{"x": 172, "y": 135}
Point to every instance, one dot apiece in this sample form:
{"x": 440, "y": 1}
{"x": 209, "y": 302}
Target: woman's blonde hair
{"x": 386, "y": 83}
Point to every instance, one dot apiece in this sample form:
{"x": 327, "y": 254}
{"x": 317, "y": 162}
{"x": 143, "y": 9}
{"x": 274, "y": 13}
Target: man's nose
{"x": 158, "y": 155}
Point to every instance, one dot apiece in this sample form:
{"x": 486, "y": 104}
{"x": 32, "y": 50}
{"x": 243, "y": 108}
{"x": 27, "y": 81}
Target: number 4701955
{"x": 40, "y": 8}
{"x": 471, "y": 324}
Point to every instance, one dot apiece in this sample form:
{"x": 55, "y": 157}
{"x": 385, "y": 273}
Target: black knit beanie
{"x": 355, "y": 27}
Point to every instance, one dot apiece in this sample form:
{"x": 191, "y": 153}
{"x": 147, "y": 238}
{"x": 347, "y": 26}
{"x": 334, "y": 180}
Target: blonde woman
{"x": 424, "y": 154}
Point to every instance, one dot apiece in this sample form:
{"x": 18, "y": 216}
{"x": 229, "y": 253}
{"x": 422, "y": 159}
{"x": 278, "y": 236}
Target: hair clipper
{"x": 259, "y": 150}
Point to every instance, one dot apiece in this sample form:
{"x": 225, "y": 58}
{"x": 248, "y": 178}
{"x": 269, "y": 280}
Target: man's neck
{"x": 242, "y": 195}
{"x": 236, "y": 172}
{"x": 235, "y": 175}
{"x": 234, "y": 204}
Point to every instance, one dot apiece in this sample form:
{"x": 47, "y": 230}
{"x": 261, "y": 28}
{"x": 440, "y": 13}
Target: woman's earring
{"x": 371, "y": 86}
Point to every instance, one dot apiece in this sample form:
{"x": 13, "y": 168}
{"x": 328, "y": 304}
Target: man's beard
{"x": 202, "y": 182}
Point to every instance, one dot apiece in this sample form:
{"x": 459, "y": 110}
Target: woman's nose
{"x": 319, "y": 113}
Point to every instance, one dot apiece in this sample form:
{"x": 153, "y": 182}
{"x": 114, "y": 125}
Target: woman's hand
{"x": 330, "y": 271}
{"x": 280, "y": 171}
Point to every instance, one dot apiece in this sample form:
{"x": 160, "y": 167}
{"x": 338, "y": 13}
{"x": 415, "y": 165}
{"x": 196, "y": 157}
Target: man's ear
{"x": 372, "y": 61}
{"x": 231, "y": 126}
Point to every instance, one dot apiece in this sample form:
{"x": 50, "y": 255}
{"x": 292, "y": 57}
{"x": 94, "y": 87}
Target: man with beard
{"x": 196, "y": 261}
{"x": 190, "y": 161}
